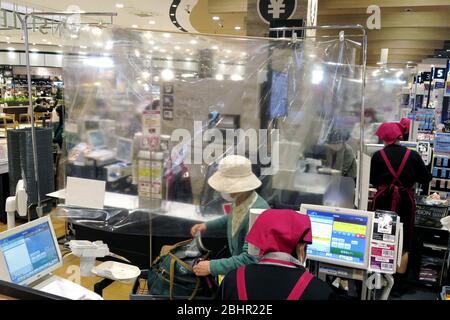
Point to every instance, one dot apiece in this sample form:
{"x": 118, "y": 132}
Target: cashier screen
{"x": 338, "y": 236}
{"x": 29, "y": 252}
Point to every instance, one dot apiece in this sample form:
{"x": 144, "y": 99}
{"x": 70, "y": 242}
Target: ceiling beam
{"x": 352, "y": 4}
{"x": 228, "y": 6}
{"x": 393, "y": 20}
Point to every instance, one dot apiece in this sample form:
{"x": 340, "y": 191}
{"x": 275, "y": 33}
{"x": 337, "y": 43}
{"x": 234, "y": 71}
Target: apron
{"x": 392, "y": 194}
{"x": 278, "y": 259}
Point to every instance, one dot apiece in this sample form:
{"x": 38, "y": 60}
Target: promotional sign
{"x": 424, "y": 150}
{"x": 439, "y": 85}
{"x": 270, "y": 10}
{"x": 383, "y": 246}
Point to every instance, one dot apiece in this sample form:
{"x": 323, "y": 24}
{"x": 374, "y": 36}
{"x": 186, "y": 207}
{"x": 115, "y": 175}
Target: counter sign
{"x": 270, "y": 10}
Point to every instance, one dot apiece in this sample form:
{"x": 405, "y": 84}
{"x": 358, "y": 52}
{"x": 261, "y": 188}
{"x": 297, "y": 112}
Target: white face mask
{"x": 227, "y": 197}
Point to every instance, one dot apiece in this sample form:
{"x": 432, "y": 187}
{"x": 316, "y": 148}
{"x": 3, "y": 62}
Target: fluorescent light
{"x": 193, "y": 41}
{"x": 317, "y": 76}
{"x": 167, "y": 74}
{"x": 237, "y": 28}
{"x": 11, "y": 49}
{"x": 134, "y": 26}
{"x": 82, "y": 53}
{"x": 219, "y": 77}
{"x": 216, "y": 18}
{"x": 83, "y": 47}
{"x": 119, "y": 5}
{"x": 59, "y": 45}
{"x": 174, "y": 5}
{"x": 236, "y": 77}
{"x": 166, "y": 35}
{"x": 152, "y": 22}
{"x": 215, "y": 47}
{"x": 44, "y": 40}
{"x": 177, "y": 47}
{"x": 172, "y": 14}
{"x": 34, "y": 49}
{"x": 228, "y": 51}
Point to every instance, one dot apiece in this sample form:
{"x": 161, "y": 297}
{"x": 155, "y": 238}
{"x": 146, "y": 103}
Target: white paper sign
{"x": 85, "y": 193}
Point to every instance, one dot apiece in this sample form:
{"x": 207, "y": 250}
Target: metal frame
{"x": 23, "y": 18}
{"x": 363, "y": 87}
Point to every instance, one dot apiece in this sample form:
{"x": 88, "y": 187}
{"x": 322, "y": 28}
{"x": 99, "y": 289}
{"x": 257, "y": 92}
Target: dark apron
{"x": 397, "y": 198}
{"x": 297, "y": 291}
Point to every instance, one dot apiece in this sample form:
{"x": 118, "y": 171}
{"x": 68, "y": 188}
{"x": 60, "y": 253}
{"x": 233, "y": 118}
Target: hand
{"x": 201, "y": 227}
{"x": 201, "y": 269}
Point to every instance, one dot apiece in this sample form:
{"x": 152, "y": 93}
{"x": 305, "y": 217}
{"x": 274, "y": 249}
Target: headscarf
{"x": 389, "y": 132}
{"x": 280, "y": 230}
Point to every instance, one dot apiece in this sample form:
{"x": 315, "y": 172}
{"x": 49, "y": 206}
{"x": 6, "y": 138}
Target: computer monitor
{"x": 340, "y": 236}
{"x": 29, "y": 252}
{"x": 125, "y": 150}
{"x": 96, "y": 139}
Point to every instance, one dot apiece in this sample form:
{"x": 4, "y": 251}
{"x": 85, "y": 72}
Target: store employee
{"x": 282, "y": 237}
{"x": 394, "y": 171}
{"x": 237, "y": 184}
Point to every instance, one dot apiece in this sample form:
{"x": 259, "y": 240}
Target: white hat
{"x": 234, "y": 175}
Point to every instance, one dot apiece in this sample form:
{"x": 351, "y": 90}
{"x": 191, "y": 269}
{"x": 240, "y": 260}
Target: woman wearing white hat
{"x": 236, "y": 183}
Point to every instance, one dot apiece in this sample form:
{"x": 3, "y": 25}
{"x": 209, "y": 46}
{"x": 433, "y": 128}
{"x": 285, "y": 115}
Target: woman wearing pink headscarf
{"x": 394, "y": 171}
{"x": 282, "y": 237}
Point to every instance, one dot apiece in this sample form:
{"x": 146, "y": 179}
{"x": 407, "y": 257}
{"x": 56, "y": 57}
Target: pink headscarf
{"x": 389, "y": 132}
{"x": 405, "y": 122}
{"x": 279, "y": 230}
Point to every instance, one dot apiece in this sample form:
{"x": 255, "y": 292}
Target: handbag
{"x": 172, "y": 274}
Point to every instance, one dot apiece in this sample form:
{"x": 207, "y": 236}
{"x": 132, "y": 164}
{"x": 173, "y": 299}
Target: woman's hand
{"x": 201, "y": 227}
{"x": 201, "y": 269}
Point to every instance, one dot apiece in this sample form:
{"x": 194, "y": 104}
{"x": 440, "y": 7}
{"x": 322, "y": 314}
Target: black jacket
{"x": 270, "y": 282}
{"x": 414, "y": 171}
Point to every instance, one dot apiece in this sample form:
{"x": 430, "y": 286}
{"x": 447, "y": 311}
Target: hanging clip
{"x": 341, "y": 36}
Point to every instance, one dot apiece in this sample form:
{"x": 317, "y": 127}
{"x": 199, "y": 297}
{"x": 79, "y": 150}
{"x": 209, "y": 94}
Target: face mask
{"x": 227, "y": 197}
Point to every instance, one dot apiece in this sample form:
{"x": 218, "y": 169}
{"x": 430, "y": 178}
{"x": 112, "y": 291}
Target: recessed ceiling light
{"x": 229, "y": 51}
{"x": 216, "y": 18}
{"x": 172, "y": 14}
{"x": 193, "y": 41}
{"x": 34, "y": 43}
{"x": 119, "y": 5}
{"x": 134, "y": 26}
{"x": 174, "y": 5}
{"x": 44, "y": 40}
{"x": 7, "y": 38}
{"x": 215, "y": 47}
{"x": 237, "y": 28}
{"x": 166, "y": 35}
{"x": 152, "y": 22}
{"x": 49, "y": 42}
{"x": 177, "y": 47}
{"x": 60, "y": 45}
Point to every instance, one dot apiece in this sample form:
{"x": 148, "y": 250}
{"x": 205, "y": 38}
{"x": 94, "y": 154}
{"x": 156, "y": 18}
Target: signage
{"x": 439, "y": 73}
{"x": 426, "y": 76}
{"x": 270, "y": 10}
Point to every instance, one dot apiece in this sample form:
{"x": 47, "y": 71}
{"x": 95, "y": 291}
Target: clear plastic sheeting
{"x": 153, "y": 113}
{"x": 387, "y": 98}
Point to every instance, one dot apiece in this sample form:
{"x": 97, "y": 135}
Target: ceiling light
{"x": 312, "y": 55}
{"x": 188, "y": 75}
{"x": 163, "y": 50}
{"x": 174, "y": 5}
{"x": 137, "y": 53}
{"x": 188, "y": 59}
{"x": 167, "y": 74}
{"x": 166, "y": 35}
{"x": 83, "y": 47}
{"x": 82, "y": 53}
{"x": 145, "y": 75}
{"x": 34, "y": 49}
{"x": 151, "y": 42}
{"x": 119, "y": 5}
{"x": 11, "y": 48}
{"x": 216, "y": 18}
{"x": 134, "y": 26}
{"x": 237, "y": 28}
{"x": 7, "y": 38}
{"x": 152, "y": 22}
{"x": 155, "y": 78}
{"x": 59, "y": 45}
{"x": 58, "y": 51}
{"x": 148, "y": 35}
{"x": 44, "y": 40}
{"x": 229, "y": 51}
{"x": 172, "y": 14}
{"x": 215, "y": 47}
{"x": 49, "y": 42}
{"x": 187, "y": 50}
{"x": 236, "y": 77}
{"x": 193, "y": 41}
{"x": 177, "y": 47}
{"x": 174, "y": 21}
{"x": 34, "y": 43}
{"x": 219, "y": 77}
{"x": 99, "y": 44}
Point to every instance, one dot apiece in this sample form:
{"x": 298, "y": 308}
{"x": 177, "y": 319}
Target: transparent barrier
{"x": 153, "y": 114}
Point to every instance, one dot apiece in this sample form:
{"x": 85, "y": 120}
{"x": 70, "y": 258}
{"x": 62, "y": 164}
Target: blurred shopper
{"x": 237, "y": 184}
{"x": 394, "y": 171}
{"x": 282, "y": 237}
